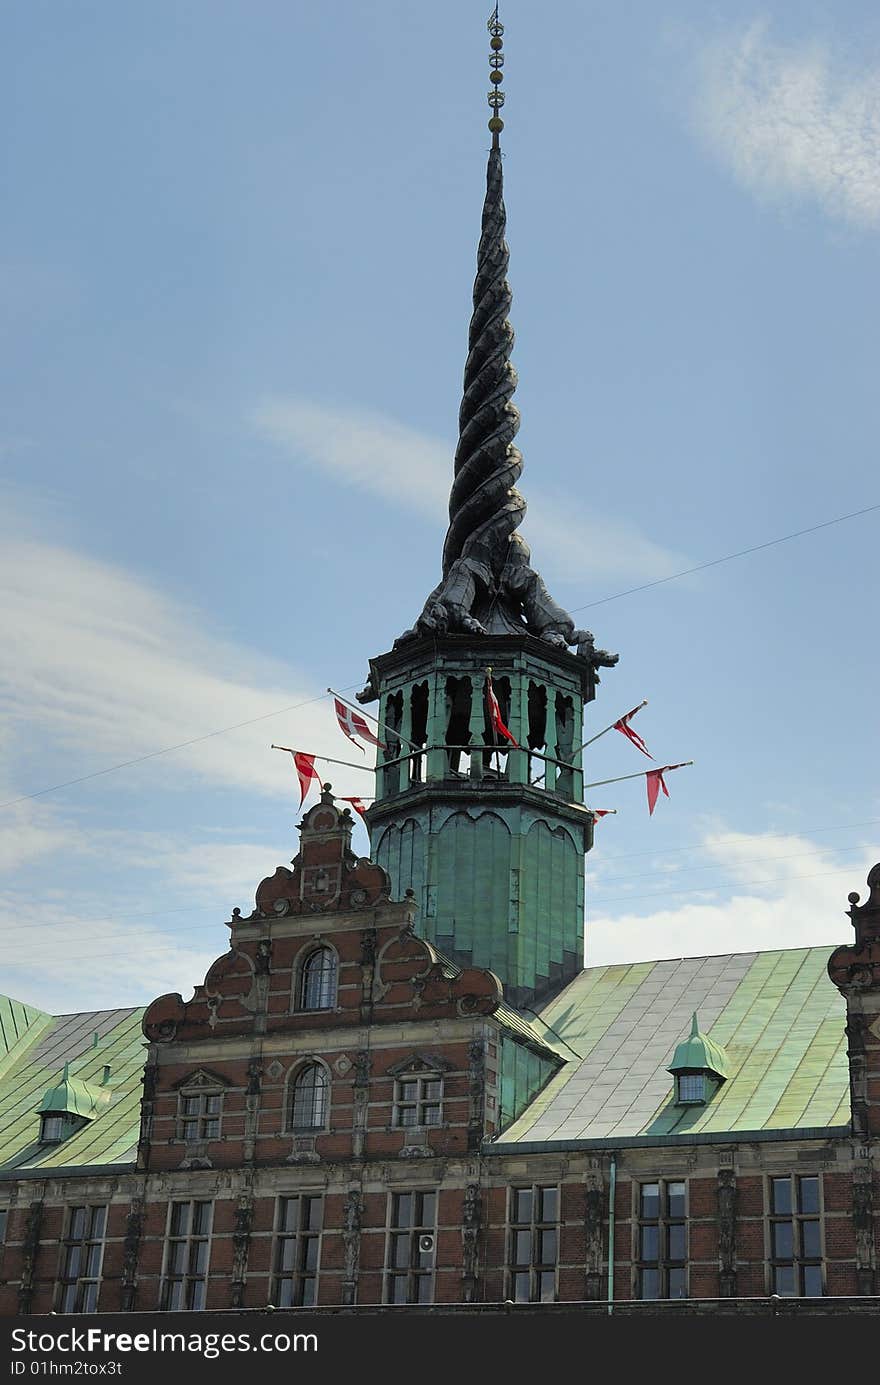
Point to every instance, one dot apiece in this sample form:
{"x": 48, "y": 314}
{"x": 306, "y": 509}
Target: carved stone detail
{"x": 476, "y": 1092}
{"x": 134, "y": 1224}
{"x": 352, "y": 1213}
{"x": 29, "y": 1253}
{"x": 594, "y": 1208}
{"x": 863, "y": 1224}
{"x": 727, "y": 1232}
{"x": 241, "y": 1239}
{"x": 470, "y": 1235}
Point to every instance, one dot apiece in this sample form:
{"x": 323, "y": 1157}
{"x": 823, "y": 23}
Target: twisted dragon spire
{"x": 488, "y": 584}
{"x": 484, "y": 505}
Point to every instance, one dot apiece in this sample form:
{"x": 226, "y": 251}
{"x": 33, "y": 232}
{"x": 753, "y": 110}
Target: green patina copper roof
{"x": 74, "y": 1097}
{"x": 38, "y": 1047}
{"x": 777, "y": 1016}
{"x": 697, "y": 1053}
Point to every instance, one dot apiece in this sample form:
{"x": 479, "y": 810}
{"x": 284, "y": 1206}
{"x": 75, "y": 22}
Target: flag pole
{"x": 596, "y": 782}
{"x": 384, "y": 725}
{"x": 611, "y": 728}
{"x": 349, "y": 764}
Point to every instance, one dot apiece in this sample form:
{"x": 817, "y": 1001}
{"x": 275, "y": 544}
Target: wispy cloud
{"x": 793, "y": 121}
{"x": 768, "y": 891}
{"x": 411, "y": 470}
{"x": 100, "y": 666}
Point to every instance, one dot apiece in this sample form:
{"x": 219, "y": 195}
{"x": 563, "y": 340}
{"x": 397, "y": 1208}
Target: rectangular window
{"x": 533, "y": 1244}
{"x": 298, "y": 1250}
{"x": 409, "y": 1254}
{"x": 795, "y": 1237}
{"x": 81, "y": 1254}
{"x": 4, "y": 1214}
{"x": 418, "y": 1101}
{"x": 199, "y": 1115}
{"x": 661, "y": 1240}
{"x": 187, "y": 1251}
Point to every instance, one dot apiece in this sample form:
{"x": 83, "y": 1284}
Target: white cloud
{"x": 793, "y": 121}
{"x": 100, "y": 667}
{"x": 775, "y": 892}
{"x": 409, "y": 469}
{"x": 74, "y": 962}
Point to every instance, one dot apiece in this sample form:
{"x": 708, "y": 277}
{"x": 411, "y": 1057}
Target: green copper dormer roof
{"x": 698, "y": 1053}
{"x": 74, "y": 1097}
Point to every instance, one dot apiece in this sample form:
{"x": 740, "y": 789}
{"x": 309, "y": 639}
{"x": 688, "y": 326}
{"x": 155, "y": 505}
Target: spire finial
{"x": 496, "y": 76}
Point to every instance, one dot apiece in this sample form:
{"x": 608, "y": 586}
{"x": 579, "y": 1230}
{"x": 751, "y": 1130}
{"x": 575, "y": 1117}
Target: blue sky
{"x": 235, "y": 270}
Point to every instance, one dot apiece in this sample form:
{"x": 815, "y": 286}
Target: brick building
{"x": 399, "y": 1084}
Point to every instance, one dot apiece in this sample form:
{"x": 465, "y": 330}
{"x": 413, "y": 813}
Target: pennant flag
{"x": 495, "y": 712}
{"x": 623, "y": 726}
{"x": 352, "y": 724}
{"x": 655, "y": 782}
{"x": 358, "y": 805}
{"x": 305, "y": 771}
{"x": 601, "y": 812}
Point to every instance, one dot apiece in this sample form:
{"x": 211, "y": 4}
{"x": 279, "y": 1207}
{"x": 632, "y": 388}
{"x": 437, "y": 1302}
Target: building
{"x": 399, "y": 1084}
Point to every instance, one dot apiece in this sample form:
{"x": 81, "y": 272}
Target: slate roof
{"x": 776, "y": 1014}
{"x": 33, "y": 1050}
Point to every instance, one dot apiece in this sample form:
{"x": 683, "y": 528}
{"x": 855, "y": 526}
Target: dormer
{"x": 70, "y": 1105}
{"x": 699, "y": 1067}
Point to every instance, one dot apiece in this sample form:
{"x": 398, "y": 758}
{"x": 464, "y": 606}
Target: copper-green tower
{"x": 490, "y": 838}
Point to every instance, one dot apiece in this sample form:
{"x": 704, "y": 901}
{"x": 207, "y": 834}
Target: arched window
{"x": 317, "y": 986}
{"x": 308, "y": 1106}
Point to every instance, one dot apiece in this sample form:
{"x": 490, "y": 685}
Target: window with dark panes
{"x": 81, "y": 1256}
{"x": 187, "y": 1252}
{"x": 796, "y": 1237}
{"x": 298, "y": 1250}
{"x": 308, "y": 1106}
{"x": 409, "y": 1255}
{"x": 4, "y": 1216}
{"x": 661, "y": 1244}
{"x": 317, "y": 989}
{"x": 533, "y": 1244}
{"x": 200, "y": 1115}
{"x": 418, "y": 1100}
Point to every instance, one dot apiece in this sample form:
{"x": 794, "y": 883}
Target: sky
{"x": 236, "y": 260}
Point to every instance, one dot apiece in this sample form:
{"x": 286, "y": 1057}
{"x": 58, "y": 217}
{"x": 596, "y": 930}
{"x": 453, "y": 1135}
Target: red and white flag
{"x": 352, "y": 724}
{"x": 305, "y": 770}
{"x": 655, "y": 782}
{"x": 601, "y": 812}
{"x": 358, "y": 805}
{"x": 494, "y": 711}
{"x": 623, "y": 726}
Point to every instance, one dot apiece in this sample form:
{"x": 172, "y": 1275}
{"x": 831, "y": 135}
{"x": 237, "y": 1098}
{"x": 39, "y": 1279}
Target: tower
{"x": 490, "y": 837}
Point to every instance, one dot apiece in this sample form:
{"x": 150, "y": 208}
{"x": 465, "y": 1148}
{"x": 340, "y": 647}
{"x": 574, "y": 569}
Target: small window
{"x": 298, "y": 1251}
{"x": 83, "y": 1251}
{"x": 409, "y": 1253}
{"x": 317, "y": 989}
{"x": 795, "y": 1237}
{"x": 309, "y": 1100}
{"x": 187, "y": 1252}
{"x": 199, "y": 1115}
{"x": 56, "y": 1127}
{"x": 533, "y": 1244}
{"x": 692, "y": 1089}
{"x": 4, "y": 1216}
{"x": 661, "y": 1246}
{"x": 418, "y": 1100}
